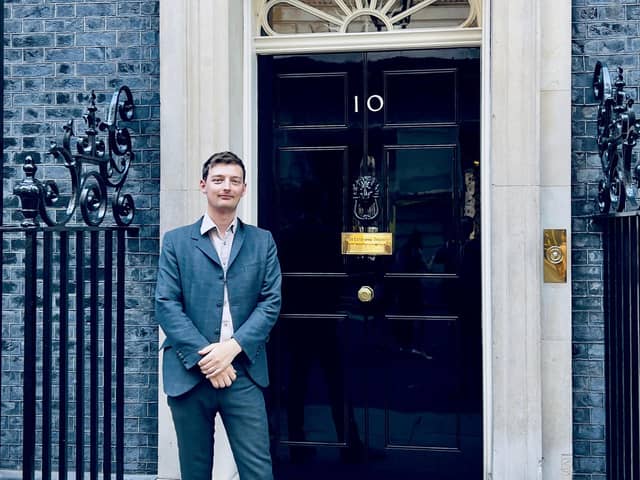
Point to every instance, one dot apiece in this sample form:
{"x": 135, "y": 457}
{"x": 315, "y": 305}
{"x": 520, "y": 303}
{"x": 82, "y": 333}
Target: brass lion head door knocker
{"x": 366, "y": 196}
{"x": 365, "y": 240}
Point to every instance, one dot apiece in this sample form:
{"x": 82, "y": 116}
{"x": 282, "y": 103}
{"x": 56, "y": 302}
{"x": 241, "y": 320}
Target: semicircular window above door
{"x": 279, "y": 17}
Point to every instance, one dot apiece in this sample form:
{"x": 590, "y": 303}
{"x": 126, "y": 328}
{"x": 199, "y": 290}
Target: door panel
{"x": 419, "y": 97}
{"x": 389, "y": 388}
{"x": 421, "y": 205}
{"x": 327, "y": 89}
{"x": 310, "y": 200}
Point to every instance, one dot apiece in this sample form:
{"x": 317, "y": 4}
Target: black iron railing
{"x": 74, "y": 300}
{"x": 622, "y": 344}
{"x": 70, "y": 287}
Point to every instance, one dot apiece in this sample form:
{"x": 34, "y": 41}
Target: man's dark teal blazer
{"x": 189, "y": 296}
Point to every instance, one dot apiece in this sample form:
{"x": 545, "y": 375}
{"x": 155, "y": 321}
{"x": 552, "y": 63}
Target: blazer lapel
{"x": 203, "y": 243}
{"x": 238, "y": 240}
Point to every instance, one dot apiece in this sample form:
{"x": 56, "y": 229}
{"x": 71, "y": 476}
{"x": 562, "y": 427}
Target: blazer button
{"x": 219, "y": 304}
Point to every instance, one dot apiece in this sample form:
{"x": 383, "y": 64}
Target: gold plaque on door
{"x": 368, "y": 243}
{"x": 555, "y": 255}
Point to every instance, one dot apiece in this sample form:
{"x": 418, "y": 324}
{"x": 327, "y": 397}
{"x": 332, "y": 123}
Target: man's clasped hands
{"x": 216, "y": 362}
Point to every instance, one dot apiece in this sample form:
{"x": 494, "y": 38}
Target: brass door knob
{"x": 365, "y": 294}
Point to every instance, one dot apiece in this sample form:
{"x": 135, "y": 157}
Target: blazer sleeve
{"x": 181, "y": 332}
{"x": 253, "y": 333}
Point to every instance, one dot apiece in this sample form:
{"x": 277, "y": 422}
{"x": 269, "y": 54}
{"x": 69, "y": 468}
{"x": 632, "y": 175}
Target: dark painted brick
{"x": 64, "y": 83}
{"x": 12, "y": 26}
{"x": 583, "y": 399}
{"x": 598, "y": 415}
{"x": 33, "y": 55}
{"x": 579, "y": 257}
{"x": 590, "y": 272}
{"x": 96, "y": 9}
{"x": 32, "y": 70}
{"x": 128, "y": 8}
{"x": 611, "y": 30}
{"x": 96, "y": 39}
{"x": 607, "y": 47}
{"x": 93, "y": 69}
{"x": 595, "y": 350}
{"x": 588, "y": 432}
{"x": 581, "y": 448}
{"x": 581, "y": 415}
{"x": 596, "y": 288}
{"x": 95, "y": 24}
{"x": 151, "y": 8}
{"x": 63, "y": 98}
{"x": 587, "y": 334}
{"x": 21, "y": 41}
{"x": 33, "y": 113}
{"x": 95, "y": 83}
{"x": 63, "y": 113}
{"x": 589, "y": 13}
{"x": 588, "y": 367}
{"x": 127, "y": 23}
{"x": 596, "y": 257}
{"x": 32, "y": 26}
{"x": 65, "y": 11}
{"x": 597, "y": 384}
{"x": 580, "y": 318}
{"x": 633, "y": 13}
{"x": 36, "y": 11}
{"x": 65, "y": 54}
{"x": 128, "y": 38}
{"x": 150, "y": 38}
{"x": 94, "y": 54}
{"x": 32, "y": 142}
{"x": 579, "y": 288}
{"x": 581, "y": 240}
{"x": 63, "y": 25}
{"x": 65, "y": 40}
{"x": 617, "y": 12}
{"x": 589, "y": 464}
{"x": 599, "y": 448}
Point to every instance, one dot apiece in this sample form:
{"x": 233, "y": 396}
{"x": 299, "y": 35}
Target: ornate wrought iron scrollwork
{"x": 88, "y": 186}
{"x": 617, "y": 135}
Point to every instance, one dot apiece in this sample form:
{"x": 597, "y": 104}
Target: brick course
{"x": 55, "y": 53}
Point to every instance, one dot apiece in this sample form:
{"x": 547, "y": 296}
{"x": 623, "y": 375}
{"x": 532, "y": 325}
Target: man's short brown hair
{"x": 225, "y": 158}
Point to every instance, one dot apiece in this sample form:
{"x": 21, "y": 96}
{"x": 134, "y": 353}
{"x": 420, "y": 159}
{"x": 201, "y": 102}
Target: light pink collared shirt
{"x": 222, "y": 245}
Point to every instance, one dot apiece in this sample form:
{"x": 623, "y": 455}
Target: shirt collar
{"x": 208, "y": 224}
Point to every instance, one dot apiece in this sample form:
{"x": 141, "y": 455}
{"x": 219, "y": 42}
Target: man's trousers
{"x": 243, "y": 413}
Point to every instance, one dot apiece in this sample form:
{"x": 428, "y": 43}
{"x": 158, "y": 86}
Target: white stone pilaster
{"x": 516, "y": 241}
{"x": 201, "y": 113}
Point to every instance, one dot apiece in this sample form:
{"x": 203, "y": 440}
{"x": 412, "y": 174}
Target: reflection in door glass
{"x": 420, "y": 192}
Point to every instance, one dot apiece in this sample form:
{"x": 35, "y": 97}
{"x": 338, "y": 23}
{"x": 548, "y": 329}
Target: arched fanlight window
{"x": 351, "y": 16}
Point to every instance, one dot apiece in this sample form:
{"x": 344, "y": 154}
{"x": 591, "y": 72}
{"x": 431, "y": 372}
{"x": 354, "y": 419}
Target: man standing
{"x": 217, "y": 298}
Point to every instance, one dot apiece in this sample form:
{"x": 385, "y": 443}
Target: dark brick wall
{"x": 55, "y": 53}
{"x": 609, "y": 31}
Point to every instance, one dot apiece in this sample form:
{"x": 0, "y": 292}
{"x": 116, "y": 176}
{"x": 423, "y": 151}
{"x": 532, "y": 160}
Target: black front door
{"x": 376, "y": 358}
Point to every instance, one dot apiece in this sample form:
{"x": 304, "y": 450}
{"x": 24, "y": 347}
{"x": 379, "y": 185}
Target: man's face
{"x": 224, "y": 187}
